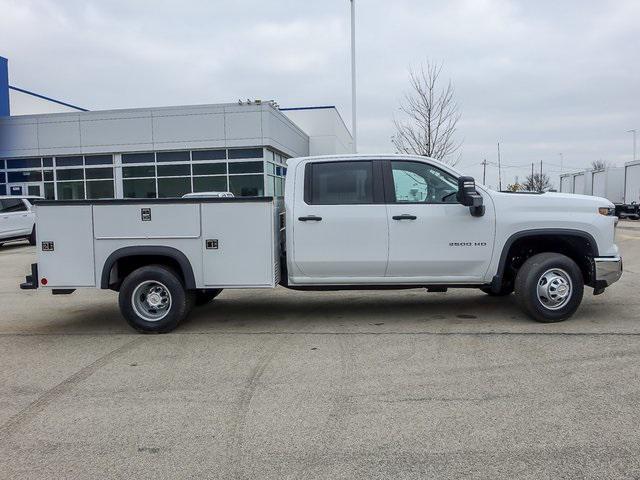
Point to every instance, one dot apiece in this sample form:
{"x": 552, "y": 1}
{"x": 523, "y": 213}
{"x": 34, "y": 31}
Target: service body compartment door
{"x": 65, "y": 245}
{"x": 147, "y": 220}
{"x": 238, "y": 244}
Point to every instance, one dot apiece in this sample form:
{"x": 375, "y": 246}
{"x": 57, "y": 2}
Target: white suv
{"x": 17, "y": 219}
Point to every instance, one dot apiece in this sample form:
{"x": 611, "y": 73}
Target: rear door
{"x": 340, "y": 223}
{"x": 432, "y": 238}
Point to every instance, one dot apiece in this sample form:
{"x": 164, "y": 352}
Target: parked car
{"x": 352, "y": 222}
{"x": 17, "y": 219}
{"x": 208, "y": 194}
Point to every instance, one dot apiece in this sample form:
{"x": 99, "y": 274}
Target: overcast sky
{"x": 542, "y": 77}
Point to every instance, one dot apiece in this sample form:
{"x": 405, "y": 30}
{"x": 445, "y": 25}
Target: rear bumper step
{"x": 31, "y": 281}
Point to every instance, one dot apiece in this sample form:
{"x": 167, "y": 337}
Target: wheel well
{"x": 581, "y": 249}
{"x": 122, "y": 262}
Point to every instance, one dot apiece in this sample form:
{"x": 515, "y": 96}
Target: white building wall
{"x": 151, "y": 129}
{"x": 327, "y": 132}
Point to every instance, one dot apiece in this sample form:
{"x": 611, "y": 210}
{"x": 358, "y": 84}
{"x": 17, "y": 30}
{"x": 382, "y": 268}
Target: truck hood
{"x": 563, "y": 202}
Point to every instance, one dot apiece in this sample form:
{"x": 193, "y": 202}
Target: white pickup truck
{"x": 348, "y": 222}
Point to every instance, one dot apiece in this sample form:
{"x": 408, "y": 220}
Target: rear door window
{"x": 340, "y": 183}
{"x": 10, "y": 205}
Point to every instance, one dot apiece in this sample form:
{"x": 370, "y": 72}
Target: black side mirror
{"x": 469, "y": 197}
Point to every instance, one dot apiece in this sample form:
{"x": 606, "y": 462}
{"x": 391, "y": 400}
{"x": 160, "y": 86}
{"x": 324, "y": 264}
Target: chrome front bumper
{"x": 608, "y": 270}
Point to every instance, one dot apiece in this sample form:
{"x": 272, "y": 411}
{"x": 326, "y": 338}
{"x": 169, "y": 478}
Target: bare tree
{"x": 431, "y": 116}
{"x": 538, "y": 182}
{"x": 599, "y": 164}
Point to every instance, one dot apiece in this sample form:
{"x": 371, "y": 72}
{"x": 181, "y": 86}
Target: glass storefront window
{"x": 98, "y": 160}
{"x": 246, "y": 185}
{"x": 146, "y": 171}
{"x": 24, "y": 177}
{"x": 49, "y": 191}
{"x": 173, "y": 156}
{"x": 71, "y": 174}
{"x": 271, "y": 186}
{"x": 173, "y": 187}
{"x": 209, "y": 155}
{"x": 210, "y": 184}
{"x": 24, "y": 163}
{"x": 218, "y": 168}
{"x": 174, "y": 170}
{"x": 99, "y": 173}
{"x": 245, "y": 167}
{"x": 141, "y": 188}
{"x": 48, "y": 175}
{"x": 3, "y": 189}
{"x": 70, "y": 190}
{"x": 245, "y": 153}
{"x": 69, "y": 161}
{"x": 100, "y": 189}
{"x": 138, "y": 157}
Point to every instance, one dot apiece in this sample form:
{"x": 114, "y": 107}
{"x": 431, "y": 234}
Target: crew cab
{"x": 347, "y": 222}
{"x": 17, "y": 219}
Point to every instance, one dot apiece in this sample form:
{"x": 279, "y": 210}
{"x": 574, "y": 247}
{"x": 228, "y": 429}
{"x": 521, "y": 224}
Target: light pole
{"x": 561, "y": 160}
{"x": 354, "y": 129}
{"x": 634, "y": 131}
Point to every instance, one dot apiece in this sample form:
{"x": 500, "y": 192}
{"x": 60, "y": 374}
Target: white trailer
{"x": 632, "y": 182}
{"x": 609, "y": 184}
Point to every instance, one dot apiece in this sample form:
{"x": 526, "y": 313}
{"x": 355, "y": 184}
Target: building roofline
{"x": 320, "y": 107}
{"x": 34, "y": 94}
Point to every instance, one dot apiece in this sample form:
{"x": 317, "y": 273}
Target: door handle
{"x": 310, "y": 218}
{"x": 404, "y": 217}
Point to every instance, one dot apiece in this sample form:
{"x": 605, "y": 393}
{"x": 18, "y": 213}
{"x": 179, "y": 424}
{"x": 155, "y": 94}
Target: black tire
{"x": 202, "y": 297}
{"x": 538, "y": 270}
{"x": 503, "y": 292}
{"x": 32, "y": 237}
{"x": 179, "y": 300}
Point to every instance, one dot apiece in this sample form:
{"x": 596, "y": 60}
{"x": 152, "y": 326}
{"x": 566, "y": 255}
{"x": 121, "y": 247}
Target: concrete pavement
{"x": 333, "y": 385}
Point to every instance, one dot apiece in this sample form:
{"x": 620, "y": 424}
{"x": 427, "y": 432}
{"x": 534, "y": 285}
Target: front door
{"x": 432, "y": 238}
{"x": 340, "y": 226}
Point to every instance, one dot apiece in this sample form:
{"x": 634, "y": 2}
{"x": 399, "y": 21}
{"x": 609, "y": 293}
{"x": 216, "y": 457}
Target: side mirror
{"x": 469, "y": 197}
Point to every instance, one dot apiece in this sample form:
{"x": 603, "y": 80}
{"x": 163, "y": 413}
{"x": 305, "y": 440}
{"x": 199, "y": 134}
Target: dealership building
{"x": 57, "y": 150}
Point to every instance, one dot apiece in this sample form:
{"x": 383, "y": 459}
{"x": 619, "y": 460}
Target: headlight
{"x": 608, "y": 211}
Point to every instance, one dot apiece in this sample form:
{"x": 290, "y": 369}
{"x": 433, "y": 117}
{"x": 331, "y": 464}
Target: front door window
{"x": 416, "y": 182}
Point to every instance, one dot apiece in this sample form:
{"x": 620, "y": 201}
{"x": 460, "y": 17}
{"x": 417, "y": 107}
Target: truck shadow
{"x": 296, "y": 309}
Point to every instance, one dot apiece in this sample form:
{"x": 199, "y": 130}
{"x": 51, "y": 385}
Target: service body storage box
{"x": 227, "y": 242}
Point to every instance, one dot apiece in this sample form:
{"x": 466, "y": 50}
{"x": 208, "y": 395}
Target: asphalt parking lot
{"x": 283, "y": 384}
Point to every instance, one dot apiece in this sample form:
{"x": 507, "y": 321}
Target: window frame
{"x": 377, "y": 181}
{"x": 390, "y": 186}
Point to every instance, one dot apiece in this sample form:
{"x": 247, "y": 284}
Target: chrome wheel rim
{"x": 151, "y": 301}
{"x": 554, "y": 289}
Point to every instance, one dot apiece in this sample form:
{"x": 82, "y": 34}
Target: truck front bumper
{"x": 608, "y": 270}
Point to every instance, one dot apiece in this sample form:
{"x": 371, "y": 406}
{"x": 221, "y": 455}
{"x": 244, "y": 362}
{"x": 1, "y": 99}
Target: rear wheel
{"x": 202, "y": 297}
{"x": 549, "y": 287}
{"x": 153, "y": 299}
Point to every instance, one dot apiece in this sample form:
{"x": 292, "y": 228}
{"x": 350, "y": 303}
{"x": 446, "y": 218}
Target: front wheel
{"x": 549, "y": 287}
{"x": 153, "y": 299}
